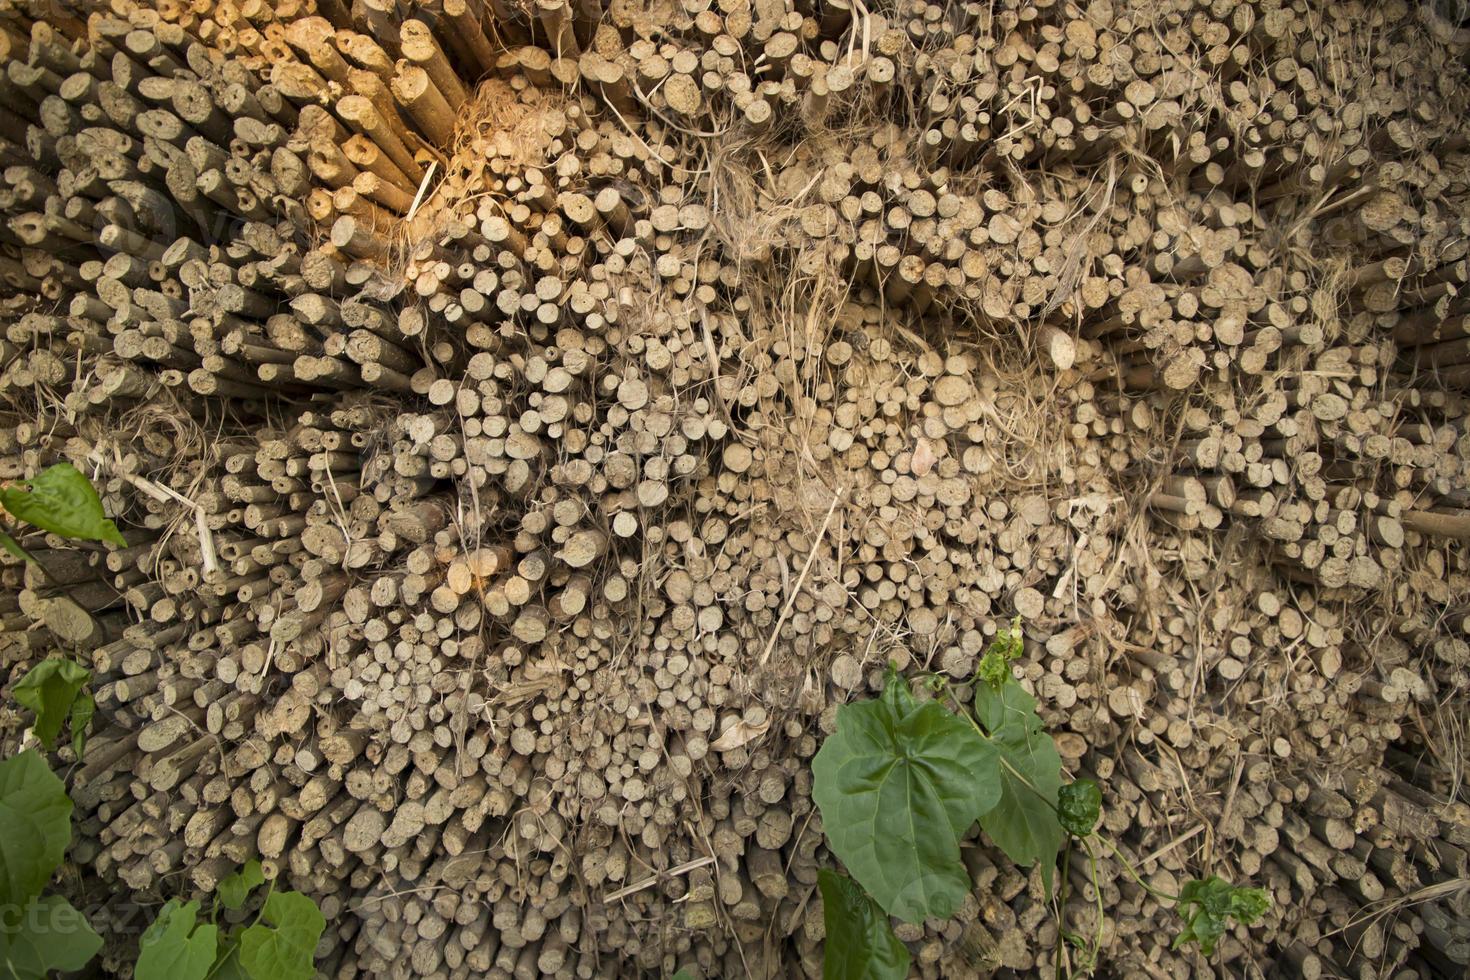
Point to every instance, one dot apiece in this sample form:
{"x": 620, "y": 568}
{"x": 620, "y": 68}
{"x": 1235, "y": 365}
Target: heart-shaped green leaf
{"x": 35, "y": 826}
{"x": 1024, "y": 822}
{"x": 47, "y": 935}
{"x": 63, "y": 501}
{"x": 283, "y": 946}
{"x": 50, "y": 689}
{"x": 898, "y": 784}
{"x": 234, "y": 888}
{"x": 175, "y": 946}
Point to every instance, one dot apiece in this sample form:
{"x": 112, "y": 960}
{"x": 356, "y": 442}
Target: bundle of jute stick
{"x": 529, "y": 421}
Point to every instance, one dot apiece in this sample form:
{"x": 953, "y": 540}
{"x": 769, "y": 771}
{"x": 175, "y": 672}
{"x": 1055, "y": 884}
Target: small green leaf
{"x": 284, "y": 949}
{"x": 234, "y": 888}
{"x": 35, "y": 826}
{"x": 899, "y": 783}
{"x": 175, "y": 947}
{"x": 1249, "y": 904}
{"x": 63, "y": 501}
{"x": 995, "y": 664}
{"x": 860, "y": 942}
{"x": 13, "y": 547}
{"x": 47, "y": 935}
{"x": 82, "y": 710}
{"x": 682, "y": 975}
{"x": 1008, "y": 701}
{"x": 49, "y": 689}
{"x": 1078, "y": 806}
{"x": 1205, "y": 905}
{"x": 1024, "y": 823}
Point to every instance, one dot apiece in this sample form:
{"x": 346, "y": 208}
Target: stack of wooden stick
{"x": 529, "y": 421}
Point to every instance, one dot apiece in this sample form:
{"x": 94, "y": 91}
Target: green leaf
{"x": 49, "y": 689}
{"x": 898, "y": 784}
{"x": 175, "y": 946}
{"x": 63, "y": 501}
{"x": 682, "y": 975}
{"x": 1205, "y": 905}
{"x": 234, "y": 888}
{"x": 995, "y": 665}
{"x": 48, "y": 935}
{"x": 13, "y": 547}
{"x": 35, "y": 826}
{"x": 1024, "y": 823}
{"x": 1078, "y": 806}
{"x": 1249, "y": 904}
{"x": 284, "y": 950}
{"x": 82, "y": 710}
{"x": 1009, "y": 701}
{"x": 860, "y": 943}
